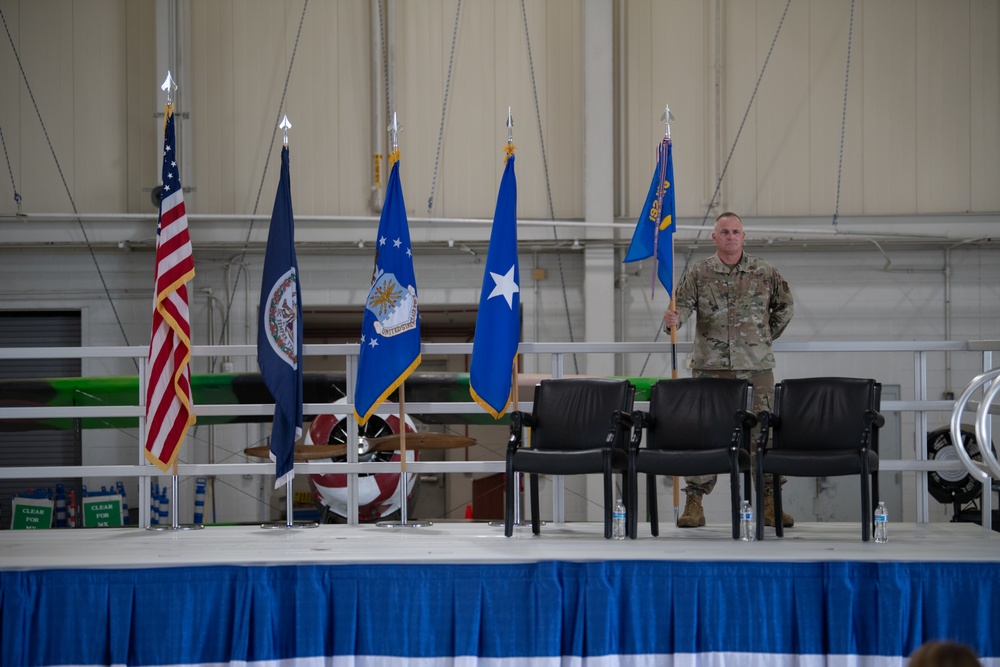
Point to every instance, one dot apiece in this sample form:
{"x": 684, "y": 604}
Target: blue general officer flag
{"x": 390, "y": 332}
{"x": 498, "y": 323}
{"x": 279, "y": 336}
{"x": 657, "y": 222}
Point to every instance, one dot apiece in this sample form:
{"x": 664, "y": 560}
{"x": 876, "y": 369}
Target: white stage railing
{"x": 921, "y": 406}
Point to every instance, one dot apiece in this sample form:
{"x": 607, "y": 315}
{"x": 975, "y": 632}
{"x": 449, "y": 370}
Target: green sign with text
{"x": 31, "y": 513}
{"x": 102, "y": 511}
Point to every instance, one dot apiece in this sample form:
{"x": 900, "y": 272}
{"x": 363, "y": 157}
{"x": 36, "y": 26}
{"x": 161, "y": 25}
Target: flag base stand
{"x": 405, "y": 522}
{"x": 289, "y": 514}
{"x": 174, "y": 525}
{"x": 185, "y": 526}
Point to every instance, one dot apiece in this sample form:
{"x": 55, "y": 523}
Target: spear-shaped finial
{"x": 510, "y": 147}
{"x": 285, "y": 125}
{"x": 394, "y": 129}
{"x": 169, "y": 86}
{"x": 665, "y": 119}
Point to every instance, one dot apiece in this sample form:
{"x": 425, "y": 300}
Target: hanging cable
{"x": 548, "y": 187}
{"x": 444, "y": 107}
{"x": 13, "y": 186}
{"x": 843, "y": 117}
{"x": 260, "y": 188}
{"x": 718, "y": 184}
{"x": 69, "y": 194}
{"x": 753, "y": 96}
{"x": 385, "y": 59}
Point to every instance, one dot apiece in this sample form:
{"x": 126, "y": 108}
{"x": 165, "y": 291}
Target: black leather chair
{"x": 578, "y": 426}
{"x": 821, "y": 427}
{"x": 694, "y": 426}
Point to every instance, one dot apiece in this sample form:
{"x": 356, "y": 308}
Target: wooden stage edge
{"x": 478, "y": 542}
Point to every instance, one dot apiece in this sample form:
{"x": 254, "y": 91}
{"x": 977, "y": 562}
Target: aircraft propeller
{"x": 385, "y": 443}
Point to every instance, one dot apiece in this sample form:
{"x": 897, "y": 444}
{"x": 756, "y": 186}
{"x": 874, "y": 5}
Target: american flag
{"x": 168, "y": 376}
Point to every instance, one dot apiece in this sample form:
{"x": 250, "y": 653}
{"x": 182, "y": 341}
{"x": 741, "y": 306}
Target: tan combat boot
{"x": 694, "y": 515}
{"x": 787, "y": 520}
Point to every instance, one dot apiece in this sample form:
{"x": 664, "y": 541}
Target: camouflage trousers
{"x": 763, "y": 399}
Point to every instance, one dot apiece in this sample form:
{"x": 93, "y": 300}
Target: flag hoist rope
{"x": 548, "y": 186}
{"x": 722, "y": 175}
{"x": 753, "y": 97}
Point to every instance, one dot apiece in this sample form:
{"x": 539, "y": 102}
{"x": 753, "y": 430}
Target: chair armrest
{"x": 746, "y": 419}
{"x": 875, "y": 418}
{"x": 640, "y": 420}
{"x": 626, "y": 419}
{"x": 518, "y": 420}
{"x": 620, "y": 420}
{"x": 767, "y": 420}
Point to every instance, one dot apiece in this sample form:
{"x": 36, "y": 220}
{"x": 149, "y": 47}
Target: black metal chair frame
{"x": 815, "y": 462}
{"x": 697, "y": 453}
{"x": 613, "y": 453}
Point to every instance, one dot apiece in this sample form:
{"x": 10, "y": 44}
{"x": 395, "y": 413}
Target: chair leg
{"x": 867, "y": 515}
{"x": 779, "y": 528}
{"x": 508, "y": 511}
{"x": 874, "y": 480}
{"x": 626, "y": 497}
{"x": 653, "y": 505}
{"x": 536, "y": 524}
{"x": 632, "y": 504}
{"x": 734, "y": 497}
{"x": 760, "y": 498}
{"x": 608, "y": 501}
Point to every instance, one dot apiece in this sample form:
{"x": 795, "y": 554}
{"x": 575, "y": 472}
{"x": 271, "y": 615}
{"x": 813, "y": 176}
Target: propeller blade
{"x": 419, "y": 441}
{"x": 302, "y": 452}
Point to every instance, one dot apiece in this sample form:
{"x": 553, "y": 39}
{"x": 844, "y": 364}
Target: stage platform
{"x": 475, "y": 542}
{"x": 462, "y": 593}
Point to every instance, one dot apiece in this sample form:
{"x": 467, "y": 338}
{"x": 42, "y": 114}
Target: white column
{"x": 599, "y": 257}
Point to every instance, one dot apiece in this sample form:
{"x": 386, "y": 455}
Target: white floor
{"x": 474, "y": 542}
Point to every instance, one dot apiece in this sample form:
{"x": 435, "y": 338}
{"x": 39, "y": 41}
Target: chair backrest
{"x": 575, "y": 413}
{"x": 823, "y": 413}
{"x": 695, "y": 413}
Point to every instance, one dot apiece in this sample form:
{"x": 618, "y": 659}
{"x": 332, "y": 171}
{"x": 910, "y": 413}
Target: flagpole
{"x": 276, "y": 375}
{"x": 404, "y": 521}
{"x": 667, "y": 117}
{"x": 169, "y": 86}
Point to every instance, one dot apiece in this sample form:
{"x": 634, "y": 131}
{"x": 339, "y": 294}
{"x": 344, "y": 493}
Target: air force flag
{"x": 279, "y": 335}
{"x": 498, "y": 324}
{"x": 390, "y": 331}
{"x": 658, "y": 215}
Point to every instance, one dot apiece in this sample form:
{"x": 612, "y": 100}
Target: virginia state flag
{"x": 657, "y": 222}
{"x": 390, "y": 332}
{"x": 498, "y": 323}
{"x": 279, "y": 334}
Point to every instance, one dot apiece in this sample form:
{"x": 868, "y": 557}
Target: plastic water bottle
{"x": 747, "y": 528}
{"x": 881, "y": 523}
{"x": 618, "y": 521}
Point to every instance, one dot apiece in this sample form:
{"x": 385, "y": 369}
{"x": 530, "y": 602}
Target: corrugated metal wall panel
{"x": 37, "y": 448}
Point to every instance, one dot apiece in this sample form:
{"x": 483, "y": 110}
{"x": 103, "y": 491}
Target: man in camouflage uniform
{"x": 741, "y": 304}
